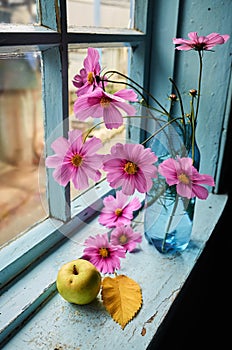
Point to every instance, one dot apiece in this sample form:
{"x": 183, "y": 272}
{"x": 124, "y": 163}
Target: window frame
{"x": 52, "y": 38}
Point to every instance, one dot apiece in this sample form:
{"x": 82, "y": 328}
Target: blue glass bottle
{"x": 168, "y": 217}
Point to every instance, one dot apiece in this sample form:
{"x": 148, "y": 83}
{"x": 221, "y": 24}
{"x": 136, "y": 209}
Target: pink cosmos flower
{"x": 200, "y": 43}
{"x": 181, "y": 172}
{"x": 99, "y": 104}
{"x": 126, "y": 237}
{"x": 85, "y": 81}
{"x": 102, "y": 254}
{"x": 130, "y": 166}
{"x": 75, "y": 160}
{"x": 118, "y": 211}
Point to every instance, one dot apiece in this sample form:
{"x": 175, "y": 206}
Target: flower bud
{"x": 193, "y": 92}
{"x": 172, "y": 97}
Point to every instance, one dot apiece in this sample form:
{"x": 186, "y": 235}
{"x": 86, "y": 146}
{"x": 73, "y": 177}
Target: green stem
{"x": 170, "y": 140}
{"x": 140, "y": 87}
{"x": 199, "y": 83}
{"x": 170, "y": 222}
{"x": 144, "y": 101}
{"x": 156, "y": 197}
{"x": 127, "y": 84}
{"x": 160, "y": 129}
{"x": 91, "y": 129}
{"x": 134, "y": 116}
{"x": 192, "y": 120}
{"x": 181, "y": 107}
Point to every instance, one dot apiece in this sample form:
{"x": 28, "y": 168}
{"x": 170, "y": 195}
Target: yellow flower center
{"x": 118, "y": 212}
{"x": 104, "y": 252}
{"x": 105, "y": 102}
{"x": 90, "y": 78}
{"x": 184, "y": 179}
{"x": 123, "y": 239}
{"x": 76, "y": 160}
{"x": 130, "y": 168}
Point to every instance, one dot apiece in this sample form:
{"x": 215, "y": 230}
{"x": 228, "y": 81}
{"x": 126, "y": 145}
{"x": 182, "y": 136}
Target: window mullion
{"x": 140, "y": 60}
{"x": 159, "y": 58}
{"x": 55, "y": 97}
{"x": 56, "y": 125}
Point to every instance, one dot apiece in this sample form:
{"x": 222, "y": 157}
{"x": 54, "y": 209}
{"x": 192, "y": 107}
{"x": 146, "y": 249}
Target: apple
{"x": 78, "y": 281}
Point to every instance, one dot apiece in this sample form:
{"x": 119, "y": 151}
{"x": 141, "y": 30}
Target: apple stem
{"x": 75, "y": 270}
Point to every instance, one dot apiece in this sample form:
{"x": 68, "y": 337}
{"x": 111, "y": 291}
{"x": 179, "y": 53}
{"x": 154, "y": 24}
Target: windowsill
{"x": 60, "y": 325}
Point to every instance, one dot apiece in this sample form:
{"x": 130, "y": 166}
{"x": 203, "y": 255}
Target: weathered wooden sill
{"x": 60, "y": 325}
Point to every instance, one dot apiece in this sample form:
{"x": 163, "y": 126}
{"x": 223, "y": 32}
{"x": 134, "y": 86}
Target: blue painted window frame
{"x": 148, "y": 53}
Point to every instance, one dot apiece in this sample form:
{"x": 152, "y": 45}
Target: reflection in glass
{"x": 21, "y": 144}
{"x": 97, "y": 13}
{"x": 110, "y": 59}
{"x": 18, "y": 11}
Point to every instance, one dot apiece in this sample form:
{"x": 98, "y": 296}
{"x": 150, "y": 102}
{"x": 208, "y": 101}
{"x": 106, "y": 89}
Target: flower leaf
{"x": 122, "y": 298}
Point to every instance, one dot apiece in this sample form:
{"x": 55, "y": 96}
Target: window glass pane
{"x": 100, "y": 13}
{"x": 22, "y": 178}
{"x": 18, "y": 11}
{"x": 110, "y": 59}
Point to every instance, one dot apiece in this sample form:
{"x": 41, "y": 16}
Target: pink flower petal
{"x": 102, "y": 104}
{"x": 126, "y": 237}
{"x": 118, "y": 210}
{"x": 200, "y": 43}
{"x": 140, "y": 158}
{"x": 181, "y": 172}
{"x": 107, "y": 263}
{"x": 112, "y": 117}
{"x": 66, "y": 169}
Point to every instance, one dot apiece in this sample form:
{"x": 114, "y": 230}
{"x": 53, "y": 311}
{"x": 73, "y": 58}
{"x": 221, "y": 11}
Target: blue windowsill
{"x": 57, "y": 324}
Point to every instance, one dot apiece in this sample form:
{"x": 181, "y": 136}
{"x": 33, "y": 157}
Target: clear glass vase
{"x": 168, "y": 221}
{"x": 168, "y": 217}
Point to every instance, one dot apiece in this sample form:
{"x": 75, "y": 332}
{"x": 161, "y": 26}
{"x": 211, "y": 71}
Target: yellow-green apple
{"x": 78, "y": 281}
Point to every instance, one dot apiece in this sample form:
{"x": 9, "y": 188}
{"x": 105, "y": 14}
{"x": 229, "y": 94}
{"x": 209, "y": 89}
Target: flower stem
{"x": 169, "y": 223}
{"x": 91, "y": 129}
{"x": 181, "y": 107}
{"x": 199, "y": 83}
{"x": 192, "y": 119}
{"x": 127, "y": 84}
{"x": 139, "y": 86}
{"x": 159, "y": 130}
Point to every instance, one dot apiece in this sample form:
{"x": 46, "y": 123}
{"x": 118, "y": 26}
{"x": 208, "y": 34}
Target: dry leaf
{"x": 122, "y": 298}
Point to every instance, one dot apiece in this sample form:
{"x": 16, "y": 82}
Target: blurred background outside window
{"x": 18, "y": 11}
{"x": 100, "y": 13}
{"x": 21, "y": 129}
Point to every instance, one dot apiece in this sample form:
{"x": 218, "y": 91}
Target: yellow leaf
{"x": 122, "y": 298}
